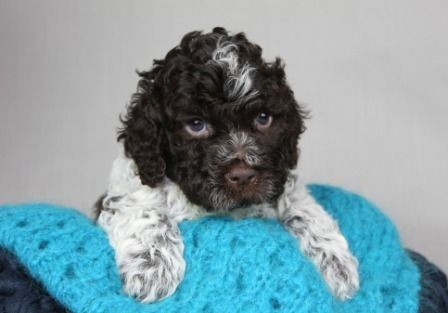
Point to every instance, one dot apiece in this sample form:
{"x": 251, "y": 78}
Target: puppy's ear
{"x": 296, "y": 118}
{"x": 142, "y": 132}
{"x": 296, "y": 114}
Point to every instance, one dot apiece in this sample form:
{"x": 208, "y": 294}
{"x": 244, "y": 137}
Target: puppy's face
{"x": 217, "y": 120}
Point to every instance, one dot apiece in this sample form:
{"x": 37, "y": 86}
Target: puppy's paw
{"x": 152, "y": 275}
{"x": 341, "y": 275}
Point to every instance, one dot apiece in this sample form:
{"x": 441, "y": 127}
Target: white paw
{"x": 341, "y": 275}
{"x": 152, "y": 275}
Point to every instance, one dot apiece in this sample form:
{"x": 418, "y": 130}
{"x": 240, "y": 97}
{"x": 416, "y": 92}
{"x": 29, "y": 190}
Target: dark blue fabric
{"x": 434, "y": 290}
{"x": 20, "y": 293}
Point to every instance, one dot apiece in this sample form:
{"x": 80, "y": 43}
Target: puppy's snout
{"x": 241, "y": 175}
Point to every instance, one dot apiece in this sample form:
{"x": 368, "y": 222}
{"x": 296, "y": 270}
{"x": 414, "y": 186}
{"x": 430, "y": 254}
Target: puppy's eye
{"x": 196, "y": 125}
{"x": 197, "y": 128}
{"x": 263, "y": 120}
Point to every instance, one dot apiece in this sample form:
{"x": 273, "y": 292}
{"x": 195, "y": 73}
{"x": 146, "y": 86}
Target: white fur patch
{"x": 319, "y": 237}
{"x": 239, "y": 81}
{"x": 141, "y": 223}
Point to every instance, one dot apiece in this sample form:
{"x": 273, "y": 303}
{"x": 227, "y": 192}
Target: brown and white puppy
{"x": 212, "y": 129}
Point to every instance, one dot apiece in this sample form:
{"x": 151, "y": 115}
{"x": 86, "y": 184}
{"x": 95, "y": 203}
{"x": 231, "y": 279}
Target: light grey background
{"x": 374, "y": 74}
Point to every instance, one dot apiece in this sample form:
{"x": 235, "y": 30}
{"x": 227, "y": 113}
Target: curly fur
{"x": 166, "y": 174}
{"x": 193, "y": 81}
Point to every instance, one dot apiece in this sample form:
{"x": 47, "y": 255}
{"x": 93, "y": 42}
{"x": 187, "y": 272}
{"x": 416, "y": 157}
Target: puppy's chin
{"x": 224, "y": 198}
{"x": 230, "y": 204}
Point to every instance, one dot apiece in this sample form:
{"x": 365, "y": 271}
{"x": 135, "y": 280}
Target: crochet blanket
{"x": 250, "y": 265}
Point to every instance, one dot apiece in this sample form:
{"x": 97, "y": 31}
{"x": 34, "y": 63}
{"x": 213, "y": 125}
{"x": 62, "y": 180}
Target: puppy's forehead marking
{"x": 238, "y": 83}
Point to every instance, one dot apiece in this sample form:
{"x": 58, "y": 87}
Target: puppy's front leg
{"x": 148, "y": 250}
{"x": 320, "y": 238}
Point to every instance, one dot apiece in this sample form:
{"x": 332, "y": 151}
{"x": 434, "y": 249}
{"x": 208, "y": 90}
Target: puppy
{"x": 212, "y": 129}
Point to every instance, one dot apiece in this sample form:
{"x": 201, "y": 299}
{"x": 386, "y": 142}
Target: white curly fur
{"x": 239, "y": 81}
{"x": 141, "y": 223}
{"x": 319, "y": 237}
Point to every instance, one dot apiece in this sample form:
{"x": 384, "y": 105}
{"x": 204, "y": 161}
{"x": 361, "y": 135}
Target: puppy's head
{"x": 216, "y": 119}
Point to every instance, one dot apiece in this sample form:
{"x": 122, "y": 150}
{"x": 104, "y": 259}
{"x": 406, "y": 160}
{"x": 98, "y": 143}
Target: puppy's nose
{"x": 241, "y": 174}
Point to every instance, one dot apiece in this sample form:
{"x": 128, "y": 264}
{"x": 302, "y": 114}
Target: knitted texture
{"x": 433, "y": 285}
{"x": 249, "y": 265}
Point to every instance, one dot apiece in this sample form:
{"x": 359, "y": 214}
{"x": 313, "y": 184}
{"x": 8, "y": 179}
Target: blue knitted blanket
{"x": 250, "y": 265}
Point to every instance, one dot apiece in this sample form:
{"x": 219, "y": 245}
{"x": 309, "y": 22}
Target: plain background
{"x": 373, "y": 73}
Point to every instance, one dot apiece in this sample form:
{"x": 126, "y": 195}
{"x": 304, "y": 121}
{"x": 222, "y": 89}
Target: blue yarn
{"x": 250, "y": 265}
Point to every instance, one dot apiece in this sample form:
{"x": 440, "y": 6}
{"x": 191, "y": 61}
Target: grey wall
{"x": 374, "y": 74}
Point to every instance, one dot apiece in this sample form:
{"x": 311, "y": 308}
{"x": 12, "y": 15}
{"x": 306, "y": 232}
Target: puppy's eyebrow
{"x": 255, "y": 106}
{"x": 238, "y": 82}
{"x": 187, "y": 115}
